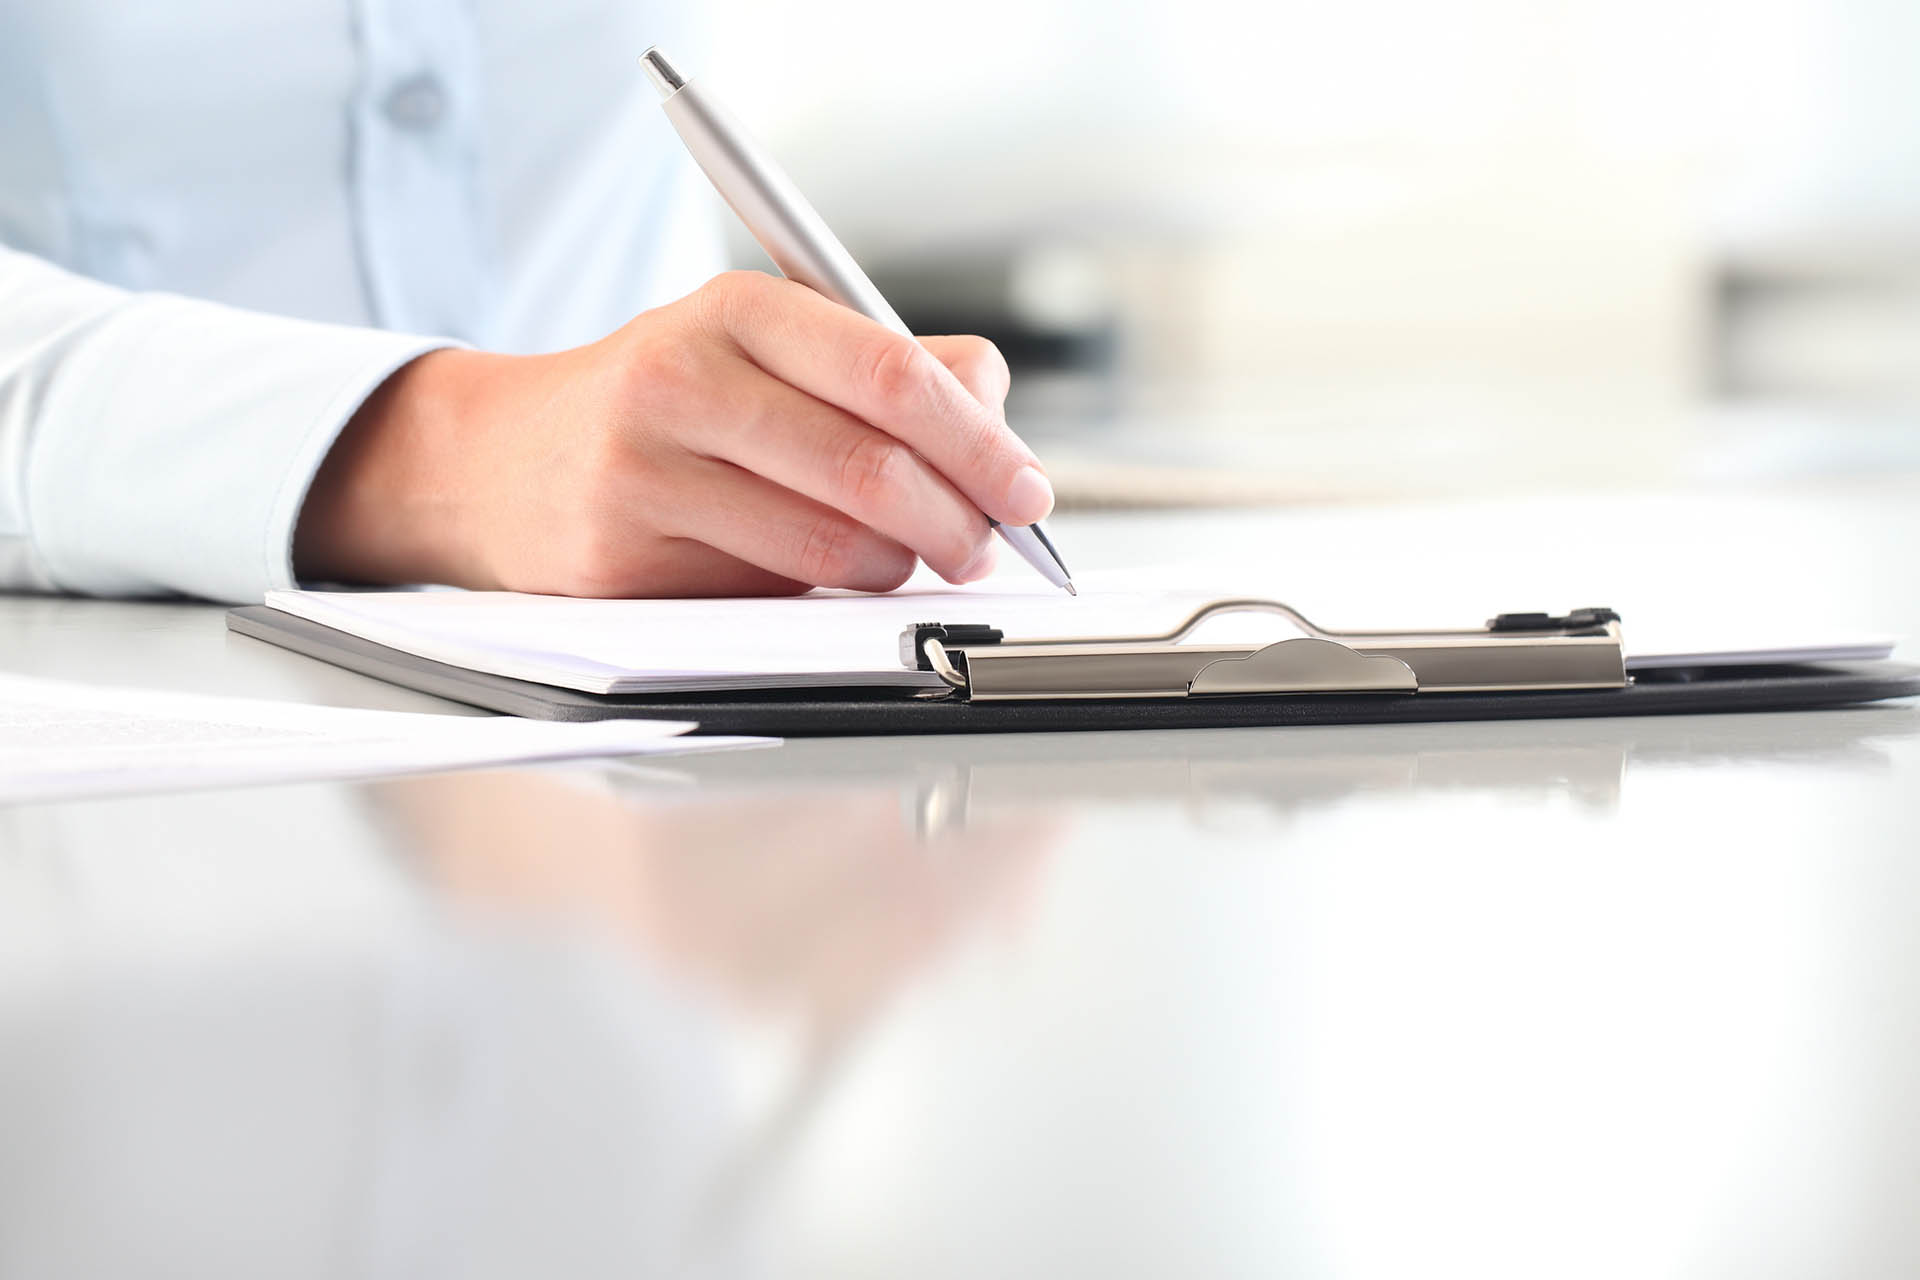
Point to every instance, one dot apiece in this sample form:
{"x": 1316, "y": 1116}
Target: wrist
{"x": 388, "y": 503}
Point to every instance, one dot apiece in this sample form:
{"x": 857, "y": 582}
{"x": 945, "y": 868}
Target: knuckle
{"x": 827, "y": 553}
{"x": 970, "y": 541}
{"x": 656, "y": 372}
{"x": 984, "y": 368}
{"x": 738, "y": 283}
{"x": 890, "y": 367}
{"x": 592, "y": 539}
{"x": 868, "y": 466}
{"x": 982, "y": 452}
{"x": 598, "y": 564}
{"x": 892, "y": 574}
{"x": 731, "y": 295}
{"x": 600, "y": 467}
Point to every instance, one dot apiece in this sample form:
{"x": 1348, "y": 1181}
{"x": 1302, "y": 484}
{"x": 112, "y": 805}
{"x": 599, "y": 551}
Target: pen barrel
{"x": 771, "y": 208}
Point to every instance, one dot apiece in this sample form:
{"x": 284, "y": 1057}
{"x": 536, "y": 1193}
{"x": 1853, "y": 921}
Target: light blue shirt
{"x": 353, "y": 182}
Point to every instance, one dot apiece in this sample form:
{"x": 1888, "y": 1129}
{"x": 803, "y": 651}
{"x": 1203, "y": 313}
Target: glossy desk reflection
{"x": 943, "y": 782}
{"x": 631, "y": 1020}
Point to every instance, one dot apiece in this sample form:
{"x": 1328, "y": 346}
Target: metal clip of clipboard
{"x": 1515, "y": 651}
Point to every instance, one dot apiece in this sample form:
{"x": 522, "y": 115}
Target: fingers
{"x": 978, "y": 364}
{"x": 752, "y": 519}
{"x": 888, "y": 381}
{"x": 824, "y": 453}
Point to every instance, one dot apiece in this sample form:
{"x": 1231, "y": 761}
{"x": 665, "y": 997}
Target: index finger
{"x": 835, "y": 354}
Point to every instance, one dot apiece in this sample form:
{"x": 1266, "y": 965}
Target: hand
{"x": 752, "y": 438}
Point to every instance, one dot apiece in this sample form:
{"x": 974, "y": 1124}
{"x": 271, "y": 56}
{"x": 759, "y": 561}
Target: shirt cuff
{"x": 184, "y": 437}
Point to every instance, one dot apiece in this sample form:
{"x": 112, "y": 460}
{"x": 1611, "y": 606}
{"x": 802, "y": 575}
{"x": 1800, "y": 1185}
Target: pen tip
{"x": 1069, "y": 587}
{"x": 667, "y": 80}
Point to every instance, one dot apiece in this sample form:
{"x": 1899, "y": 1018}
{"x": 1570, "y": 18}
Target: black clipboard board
{"x": 868, "y": 712}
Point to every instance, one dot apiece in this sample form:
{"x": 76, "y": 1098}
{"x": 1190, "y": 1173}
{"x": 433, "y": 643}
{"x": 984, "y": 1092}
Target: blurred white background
{"x": 1385, "y": 247}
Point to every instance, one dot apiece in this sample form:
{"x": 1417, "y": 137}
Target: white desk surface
{"x": 1597, "y": 998}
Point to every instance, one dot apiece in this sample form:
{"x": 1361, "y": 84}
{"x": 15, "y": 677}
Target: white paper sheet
{"x": 60, "y": 739}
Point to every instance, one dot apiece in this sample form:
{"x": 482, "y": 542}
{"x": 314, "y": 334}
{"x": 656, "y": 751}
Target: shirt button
{"x": 417, "y": 103}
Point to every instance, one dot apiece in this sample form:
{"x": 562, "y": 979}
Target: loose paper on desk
{"x": 59, "y": 740}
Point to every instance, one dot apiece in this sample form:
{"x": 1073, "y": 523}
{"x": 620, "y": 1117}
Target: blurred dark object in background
{"x": 1049, "y": 308}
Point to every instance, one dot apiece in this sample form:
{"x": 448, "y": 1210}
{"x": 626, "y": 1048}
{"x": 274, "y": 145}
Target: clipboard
{"x": 1518, "y": 666}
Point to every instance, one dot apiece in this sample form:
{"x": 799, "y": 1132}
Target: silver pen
{"x": 797, "y": 239}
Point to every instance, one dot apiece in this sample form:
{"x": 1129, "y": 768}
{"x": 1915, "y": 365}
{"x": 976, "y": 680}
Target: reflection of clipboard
{"x": 945, "y": 784}
{"x": 1519, "y": 666}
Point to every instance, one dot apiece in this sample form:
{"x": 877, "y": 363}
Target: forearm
{"x": 153, "y": 444}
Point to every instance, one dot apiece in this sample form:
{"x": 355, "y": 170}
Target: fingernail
{"x": 1029, "y": 497}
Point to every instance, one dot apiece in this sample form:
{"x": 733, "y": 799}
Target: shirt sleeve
{"x": 153, "y": 444}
